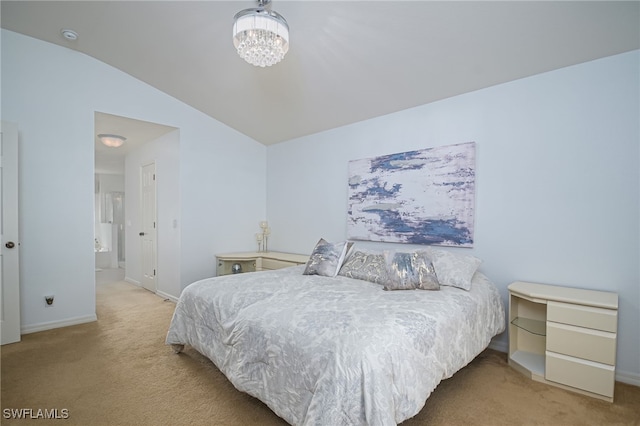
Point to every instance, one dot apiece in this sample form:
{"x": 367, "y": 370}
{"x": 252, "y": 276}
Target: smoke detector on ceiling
{"x": 69, "y": 34}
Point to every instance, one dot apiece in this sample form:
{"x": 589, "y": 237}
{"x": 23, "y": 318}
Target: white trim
{"x": 43, "y": 326}
{"x": 167, "y": 296}
{"x": 628, "y": 377}
{"x": 132, "y": 281}
{"x": 157, "y": 293}
{"x": 498, "y": 345}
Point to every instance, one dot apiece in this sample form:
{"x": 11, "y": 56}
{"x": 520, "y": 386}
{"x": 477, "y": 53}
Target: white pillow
{"x": 454, "y": 269}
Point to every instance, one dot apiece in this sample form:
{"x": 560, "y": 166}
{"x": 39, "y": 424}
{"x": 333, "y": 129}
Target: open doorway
{"x": 109, "y": 232}
{"x": 117, "y": 198}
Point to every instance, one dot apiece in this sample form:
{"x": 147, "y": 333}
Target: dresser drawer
{"x": 583, "y": 316}
{"x": 276, "y": 264}
{"x": 225, "y": 267}
{"x": 586, "y": 375}
{"x": 593, "y": 345}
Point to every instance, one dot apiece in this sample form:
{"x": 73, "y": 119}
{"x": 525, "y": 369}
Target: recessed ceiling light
{"x": 69, "y": 34}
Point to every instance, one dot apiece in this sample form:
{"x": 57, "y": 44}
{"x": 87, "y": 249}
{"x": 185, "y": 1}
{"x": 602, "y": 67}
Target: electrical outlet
{"x": 48, "y": 300}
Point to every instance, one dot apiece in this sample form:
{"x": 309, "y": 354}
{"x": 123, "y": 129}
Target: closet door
{"x": 9, "y": 253}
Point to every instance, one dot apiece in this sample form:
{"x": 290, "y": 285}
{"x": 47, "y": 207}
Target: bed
{"x": 321, "y": 350}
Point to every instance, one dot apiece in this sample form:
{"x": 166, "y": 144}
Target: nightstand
{"x": 257, "y": 261}
{"x": 564, "y": 336}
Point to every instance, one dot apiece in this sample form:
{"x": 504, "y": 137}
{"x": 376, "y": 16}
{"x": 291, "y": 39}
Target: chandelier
{"x": 261, "y": 35}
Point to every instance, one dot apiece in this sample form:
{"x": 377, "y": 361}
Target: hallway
{"x": 107, "y": 275}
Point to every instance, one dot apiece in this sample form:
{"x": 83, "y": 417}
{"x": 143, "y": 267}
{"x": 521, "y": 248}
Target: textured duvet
{"x": 335, "y": 351}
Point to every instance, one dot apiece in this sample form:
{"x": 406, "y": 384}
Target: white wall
{"x": 557, "y": 178}
{"x": 557, "y": 198}
{"x": 52, "y": 94}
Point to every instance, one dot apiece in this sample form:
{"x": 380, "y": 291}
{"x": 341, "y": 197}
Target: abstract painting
{"x": 416, "y": 197}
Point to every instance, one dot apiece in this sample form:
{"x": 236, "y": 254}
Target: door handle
{"x": 10, "y": 245}
{"x": 141, "y": 234}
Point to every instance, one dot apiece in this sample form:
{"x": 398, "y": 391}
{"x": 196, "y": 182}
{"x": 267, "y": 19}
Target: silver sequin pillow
{"x": 408, "y": 271}
{"x": 326, "y": 258}
{"x": 366, "y": 266}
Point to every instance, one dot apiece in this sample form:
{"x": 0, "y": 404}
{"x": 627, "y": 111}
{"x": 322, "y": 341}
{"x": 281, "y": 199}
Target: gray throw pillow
{"x": 326, "y": 258}
{"x": 362, "y": 265}
{"x": 408, "y": 271}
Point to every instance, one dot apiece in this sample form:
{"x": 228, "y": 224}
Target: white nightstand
{"x": 564, "y": 336}
{"x": 257, "y": 261}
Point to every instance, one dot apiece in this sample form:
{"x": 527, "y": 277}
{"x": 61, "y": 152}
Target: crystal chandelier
{"x": 261, "y": 35}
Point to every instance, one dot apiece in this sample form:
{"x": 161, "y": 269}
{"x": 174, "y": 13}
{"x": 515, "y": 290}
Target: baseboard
{"x": 43, "y": 326}
{"x": 167, "y": 296}
{"x": 628, "y": 378}
{"x": 158, "y": 292}
{"x": 132, "y": 281}
{"x": 500, "y": 346}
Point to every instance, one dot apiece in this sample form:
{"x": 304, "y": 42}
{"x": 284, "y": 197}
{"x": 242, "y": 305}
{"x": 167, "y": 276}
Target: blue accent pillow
{"x": 408, "y": 271}
{"x": 326, "y": 258}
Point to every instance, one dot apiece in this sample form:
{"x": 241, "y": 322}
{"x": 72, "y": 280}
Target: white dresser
{"x": 257, "y": 261}
{"x": 564, "y": 336}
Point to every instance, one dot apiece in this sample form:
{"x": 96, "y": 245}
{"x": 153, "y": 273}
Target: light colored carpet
{"x": 117, "y": 371}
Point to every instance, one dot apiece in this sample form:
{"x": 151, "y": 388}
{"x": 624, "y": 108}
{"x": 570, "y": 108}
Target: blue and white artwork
{"x": 416, "y": 197}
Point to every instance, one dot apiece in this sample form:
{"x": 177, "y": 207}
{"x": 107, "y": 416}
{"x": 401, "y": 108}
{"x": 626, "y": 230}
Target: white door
{"x": 148, "y": 234}
{"x": 9, "y": 263}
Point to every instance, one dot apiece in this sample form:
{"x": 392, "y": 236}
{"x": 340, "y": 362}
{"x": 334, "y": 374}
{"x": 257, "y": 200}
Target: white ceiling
{"x": 348, "y": 61}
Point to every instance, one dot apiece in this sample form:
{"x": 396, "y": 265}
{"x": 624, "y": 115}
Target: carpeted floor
{"x": 117, "y": 371}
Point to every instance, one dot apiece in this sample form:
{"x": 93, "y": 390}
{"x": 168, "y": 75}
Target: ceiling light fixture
{"x": 112, "y": 141}
{"x": 261, "y": 35}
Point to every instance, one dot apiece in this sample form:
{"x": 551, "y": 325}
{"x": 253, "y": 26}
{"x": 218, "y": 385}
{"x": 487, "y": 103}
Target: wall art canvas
{"x": 416, "y": 197}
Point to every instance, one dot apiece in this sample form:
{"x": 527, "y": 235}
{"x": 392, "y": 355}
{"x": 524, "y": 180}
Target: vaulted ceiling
{"x": 348, "y": 60}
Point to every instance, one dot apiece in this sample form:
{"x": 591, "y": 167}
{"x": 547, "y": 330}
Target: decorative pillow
{"x": 426, "y": 272}
{"x": 326, "y": 258}
{"x": 454, "y": 269}
{"x": 409, "y": 271}
{"x": 365, "y": 266}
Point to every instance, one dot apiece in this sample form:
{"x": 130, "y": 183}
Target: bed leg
{"x": 177, "y": 348}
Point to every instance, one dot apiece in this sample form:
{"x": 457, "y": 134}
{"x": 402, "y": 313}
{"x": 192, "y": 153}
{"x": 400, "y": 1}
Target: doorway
{"x": 120, "y": 209}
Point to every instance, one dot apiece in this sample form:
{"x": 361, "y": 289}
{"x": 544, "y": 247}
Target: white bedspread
{"x": 335, "y": 351}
